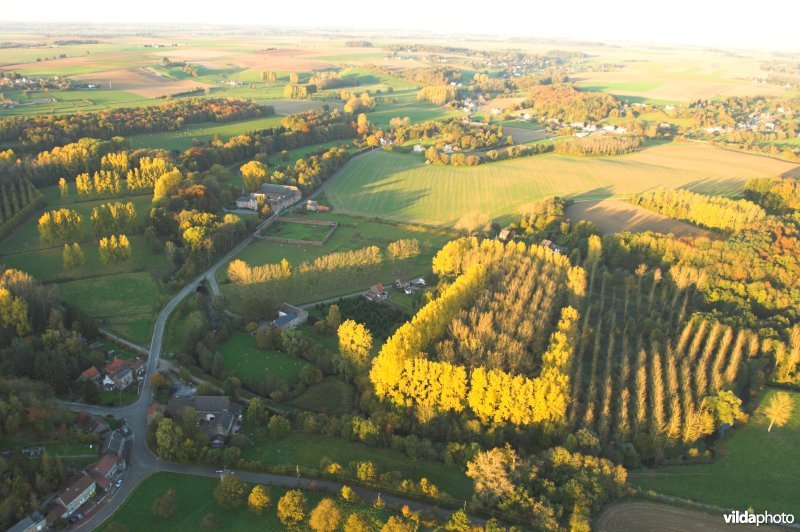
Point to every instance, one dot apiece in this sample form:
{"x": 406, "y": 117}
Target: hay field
{"x": 139, "y": 81}
{"x": 400, "y": 187}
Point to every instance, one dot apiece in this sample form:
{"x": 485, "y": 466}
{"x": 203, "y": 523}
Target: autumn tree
{"x": 167, "y": 184}
{"x": 254, "y": 174}
{"x": 355, "y": 343}
{"x": 231, "y": 492}
{"x": 326, "y": 517}
{"x": 63, "y": 188}
{"x": 357, "y": 522}
{"x": 779, "y": 409}
{"x": 292, "y": 508}
{"x": 73, "y": 256}
{"x": 492, "y": 472}
{"x": 259, "y": 499}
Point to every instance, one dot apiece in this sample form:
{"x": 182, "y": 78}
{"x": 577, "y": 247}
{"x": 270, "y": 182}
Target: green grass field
{"x": 307, "y": 450}
{"x": 754, "y": 468}
{"x": 195, "y": 499}
{"x": 126, "y": 303}
{"x": 332, "y": 396}
{"x": 400, "y": 187}
{"x": 298, "y": 231}
{"x": 244, "y": 359}
{"x": 204, "y": 132}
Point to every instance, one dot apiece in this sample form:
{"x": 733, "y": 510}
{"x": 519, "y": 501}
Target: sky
{"x": 765, "y": 24}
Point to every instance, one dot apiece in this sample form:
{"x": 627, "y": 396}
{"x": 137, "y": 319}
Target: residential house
{"x": 377, "y": 293}
{"x": 90, "y": 424}
{"x": 312, "y": 205}
{"x": 114, "y": 443}
{"x": 217, "y": 416}
{"x": 120, "y": 373}
{"x": 105, "y": 469}
{"x": 138, "y": 367}
{"x": 92, "y": 375}
{"x": 419, "y": 148}
{"x": 505, "y": 235}
{"x": 75, "y": 494}
{"x": 289, "y": 317}
{"x": 247, "y": 202}
{"x": 34, "y": 522}
{"x": 280, "y": 196}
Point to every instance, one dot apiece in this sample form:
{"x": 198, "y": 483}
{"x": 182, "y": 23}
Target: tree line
{"x": 597, "y": 146}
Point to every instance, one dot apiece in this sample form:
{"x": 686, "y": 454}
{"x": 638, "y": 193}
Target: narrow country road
{"x": 143, "y": 462}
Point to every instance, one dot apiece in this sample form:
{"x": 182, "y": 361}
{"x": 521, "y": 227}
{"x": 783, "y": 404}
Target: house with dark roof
{"x": 114, "y": 443}
{"x": 280, "y": 196}
{"x": 34, "y": 522}
{"x": 120, "y": 373}
{"x": 289, "y": 317}
{"x": 75, "y": 494}
{"x": 216, "y": 415}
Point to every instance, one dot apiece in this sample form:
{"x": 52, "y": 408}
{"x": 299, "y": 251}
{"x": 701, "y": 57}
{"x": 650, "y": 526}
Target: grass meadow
{"x": 203, "y": 132}
{"x": 244, "y": 359}
{"x": 401, "y": 187}
{"x": 753, "y": 468}
{"x": 195, "y": 500}
{"x": 307, "y": 450}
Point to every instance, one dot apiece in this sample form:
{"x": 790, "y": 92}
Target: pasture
{"x": 401, "y": 187}
{"x": 298, "y": 231}
{"x": 307, "y": 450}
{"x": 204, "y": 132}
{"x": 730, "y": 481}
{"x": 244, "y": 359}
{"x": 195, "y": 500}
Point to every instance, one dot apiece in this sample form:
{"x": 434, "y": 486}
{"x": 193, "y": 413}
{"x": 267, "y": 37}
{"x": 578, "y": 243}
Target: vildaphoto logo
{"x": 751, "y": 518}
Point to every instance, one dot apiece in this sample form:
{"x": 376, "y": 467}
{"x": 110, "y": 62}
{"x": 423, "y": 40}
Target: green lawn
{"x": 195, "y": 500}
{"x": 307, "y": 450}
{"x": 181, "y": 140}
{"x": 754, "y": 468}
{"x": 298, "y": 231}
{"x": 244, "y": 359}
{"x": 401, "y": 187}
{"x": 332, "y": 396}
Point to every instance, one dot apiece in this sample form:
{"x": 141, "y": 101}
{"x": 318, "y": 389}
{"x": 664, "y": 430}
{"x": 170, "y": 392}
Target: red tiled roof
{"x": 90, "y": 373}
{"x": 115, "y": 366}
{"x": 103, "y": 466}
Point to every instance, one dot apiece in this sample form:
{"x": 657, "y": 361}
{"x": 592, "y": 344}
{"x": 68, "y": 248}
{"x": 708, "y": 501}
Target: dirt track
{"x": 654, "y": 517}
{"x": 615, "y": 216}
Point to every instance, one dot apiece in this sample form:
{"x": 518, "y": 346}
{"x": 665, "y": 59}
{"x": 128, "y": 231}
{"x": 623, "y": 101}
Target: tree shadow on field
{"x": 596, "y": 194}
{"x": 794, "y": 172}
{"x": 730, "y": 186}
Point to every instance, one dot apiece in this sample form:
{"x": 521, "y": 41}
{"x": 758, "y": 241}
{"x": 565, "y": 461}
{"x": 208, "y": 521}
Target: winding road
{"x": 143, "y": 462}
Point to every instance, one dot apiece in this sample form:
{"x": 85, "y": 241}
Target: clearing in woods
{"x": 401, "y": 187}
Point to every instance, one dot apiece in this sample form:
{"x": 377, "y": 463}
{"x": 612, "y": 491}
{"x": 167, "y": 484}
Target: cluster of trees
{"x": 554, "y": 489}
{"x": 423, "y": 364}
{"x": 713, "y": 212}
{"x": 437, "y": 94}
{"x": 511, "y": 152}
{"x": 777, "y": 194}
{"x": 144, "y": 177}
{"x": 599, "y": 145}
{"x": 381, "y": 320}
{"x": 18, "y": 200}
{"x": 567, "y": 103}
{"x": 84, "y": 155}
{"x": 45, "y": 132}
{"x": 103, "y": 183}
{"x": 546, "y": 220}
{"x": 60, "y": 226}
{"x": 72, "y": 257}
{"x": 40, "y": 337}
{"x": 25, "y": 407}
{"x": 307, "y": 173}
{"x": 115, "y": 249}
{"x": 357, "y": 104}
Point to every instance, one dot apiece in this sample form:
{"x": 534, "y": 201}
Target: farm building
{"x": 280, "y": 196}
{"x": 289, "y": 317}
{"x": 247, "y": 202}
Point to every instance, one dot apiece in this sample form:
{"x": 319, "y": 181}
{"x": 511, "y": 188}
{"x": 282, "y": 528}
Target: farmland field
{"x": 183, "y": 139}
{"x": 400, "y": 187}
{"x": 645, "y": 516}
{"x": 730, "y": 481}
{"x": 615, "y": 216}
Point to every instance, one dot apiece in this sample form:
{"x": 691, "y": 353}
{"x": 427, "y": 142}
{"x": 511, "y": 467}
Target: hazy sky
{"x": 765, "y": 24}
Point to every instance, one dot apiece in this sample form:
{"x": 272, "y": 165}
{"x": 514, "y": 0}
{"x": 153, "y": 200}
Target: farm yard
{"x": 400, "y": 187}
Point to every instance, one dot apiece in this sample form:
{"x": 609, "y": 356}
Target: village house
{"x": 105, "y": 469}
{"x": 92, "y": 375}
{"x": 114, "y": 443}
{"x": 247, "y": 202}
{"x": 34, "y": 522}
{"x": 505, "y": 235}
{"x": 217, "y": 416}
{"x": 90, "y": 424}
{"x": 280, "y": 196}
{"x": 377, "y": 293}
{"x": 119, "y": 373}
{"x": 74, "y": 495}
{"x": 289, "y": 317}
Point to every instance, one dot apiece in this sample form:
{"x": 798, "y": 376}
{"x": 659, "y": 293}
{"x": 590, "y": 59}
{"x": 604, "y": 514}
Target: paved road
{"x": 143, "y": 462}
